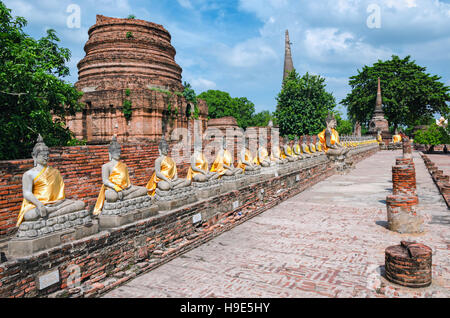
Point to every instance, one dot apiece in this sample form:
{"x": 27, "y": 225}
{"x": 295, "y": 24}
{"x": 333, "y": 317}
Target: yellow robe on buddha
{"x": 201, "y": 163}
{"x": 396, "y": 138}
{"x": 168, "y": 169}
{"x": 297, "y": 149}
{"x": 319, "y": 147}
{"x": 120, "y": 178}
{"x": 224, "y": 159}
{"x": 276, "y": 156}
{"x": 333, "y": 140}
{"x": 48, "y": 187}
{"x": 248, "y": 157}
{"x": 312, "y": 147}
{"x": 379, "y": 138}
{"x": 307, "y": 149}
{"x": 264, "y": 156}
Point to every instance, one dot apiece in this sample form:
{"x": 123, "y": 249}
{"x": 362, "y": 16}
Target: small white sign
{"x": 197, "y": 218}
{"x": 297, "y": 177}
{"x": 276, "y": 174}
{"x": 48, "y": 279}
{"x": 262, "y": 190}
{"x": 235, "y": 205}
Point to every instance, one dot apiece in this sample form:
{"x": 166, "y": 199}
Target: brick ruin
{"x": 129, "y": 59}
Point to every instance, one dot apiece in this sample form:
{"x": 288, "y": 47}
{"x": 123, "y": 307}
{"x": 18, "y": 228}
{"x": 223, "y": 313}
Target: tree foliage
{"x": 221, "y": 104}
{"x": 343, "y": 126}
{"x": 262, "y": 119}
{"x": 432, "y": 136}
{"x": 410, "y": 96}
{"x": 33, "y": 98}
{"x": 303, "y": 105}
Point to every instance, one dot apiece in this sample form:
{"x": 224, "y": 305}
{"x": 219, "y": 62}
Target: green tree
{"x": 262, "y": 119}
{"x": 344, "y": 126}
{"x": 409, "y": 94}
{"x": 432, "y": 136}
{"x": 303, "y": 105}
{"x": 221, "y": 104}
{"x": 33, "y": 98}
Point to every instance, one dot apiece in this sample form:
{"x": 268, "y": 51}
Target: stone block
{"x": 20, "y": 247}
{"x": 113, "y": 221}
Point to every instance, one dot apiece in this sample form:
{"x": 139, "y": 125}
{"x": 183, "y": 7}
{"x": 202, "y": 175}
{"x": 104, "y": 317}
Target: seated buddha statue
{"x": 116, "y": 180}
{"x": 312, "y": 147}
{"x": 329, "y": 138}
{"x": 306, "y": 152}
{"x": 319, "y": 147}
{"x": 263, "y": 158}
{"x": 379, "y": 137}
{"x": 246, "y": 160}
{"x": 223, "y": 164}
{"x": 397, "y": 138}
{"x": 44, "y": 190}
{"x": 199, "y": 169}
{"x": 165, "y": 177}
{"x": 297, "y": 149}
{"x": 287, "y": 152}
{"x": 276, "y": 157}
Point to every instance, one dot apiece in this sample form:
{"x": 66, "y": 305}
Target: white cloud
{"x": 202, "y": 84}
{"x": 247, "y": 54}
{"x": 185, "y": 4}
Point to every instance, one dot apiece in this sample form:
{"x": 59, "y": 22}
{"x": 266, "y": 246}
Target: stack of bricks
{"x": 409, "y": 264}
{"x": 442, "y": 181}
{"x": 402, "y": 204}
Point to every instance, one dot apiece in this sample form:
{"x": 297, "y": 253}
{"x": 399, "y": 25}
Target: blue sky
{"x": 238, "y": 45}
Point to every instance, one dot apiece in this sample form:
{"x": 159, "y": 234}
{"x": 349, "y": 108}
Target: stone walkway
{"x": 328, "y": 241}
{"x": 442, "y": 161}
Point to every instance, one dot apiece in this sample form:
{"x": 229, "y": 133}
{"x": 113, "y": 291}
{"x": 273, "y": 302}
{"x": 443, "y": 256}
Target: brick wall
{"x": 80, "y": 167}
{"x": 110, "y": 258}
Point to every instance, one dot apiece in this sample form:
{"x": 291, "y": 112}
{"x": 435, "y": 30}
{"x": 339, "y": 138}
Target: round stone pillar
{"x": 402, "y": 214}
{"x": 409, "y": 264}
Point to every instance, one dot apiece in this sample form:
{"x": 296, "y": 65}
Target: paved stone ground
{"x": 328, "y": 241}
{"x": 442, "y": 161}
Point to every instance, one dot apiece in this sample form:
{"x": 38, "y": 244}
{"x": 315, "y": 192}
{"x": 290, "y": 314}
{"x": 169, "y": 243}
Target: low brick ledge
{"x": 442, "y": 186}
{"x": 111, "y": 258}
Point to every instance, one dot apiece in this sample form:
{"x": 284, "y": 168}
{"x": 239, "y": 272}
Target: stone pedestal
{"x": 208, "y": 189}
{"x": 22, "y": 247}
{"x": 409, "y": 264}
{"x": 404, "y": 180}
{"x": 173, "y": 199}
{"x": 113, "y": 221}
{"x": 402, "y": 214}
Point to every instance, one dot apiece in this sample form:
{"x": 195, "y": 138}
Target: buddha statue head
{"x": 163, "y": 147}
{"x": 40, "y": 152}
{"x": 114, "y": 149}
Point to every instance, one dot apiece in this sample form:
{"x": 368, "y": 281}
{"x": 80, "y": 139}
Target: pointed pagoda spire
{"x": 379, "y": 103}
{"x": 288, "y": 64}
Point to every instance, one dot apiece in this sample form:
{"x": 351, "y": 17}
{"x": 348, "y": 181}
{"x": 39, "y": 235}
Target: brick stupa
{"x": 130, "y": 59}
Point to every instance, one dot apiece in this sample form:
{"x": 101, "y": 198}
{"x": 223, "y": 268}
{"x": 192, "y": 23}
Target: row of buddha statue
{"x": 45, "y": 209}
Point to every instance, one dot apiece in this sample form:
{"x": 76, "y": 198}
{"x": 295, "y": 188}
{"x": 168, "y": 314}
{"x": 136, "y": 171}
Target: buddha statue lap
{"x": 247, "y": 162}
{"x": 287, "y": 152}
{"x": 117, "y": 194}
{"x": 276, "y": 157}
{"x": 263, "y": 158}
{"x": 297, "y": 149}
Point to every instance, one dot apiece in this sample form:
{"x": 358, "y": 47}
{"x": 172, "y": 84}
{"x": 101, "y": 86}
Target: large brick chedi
{"x": 130, "y": 60}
